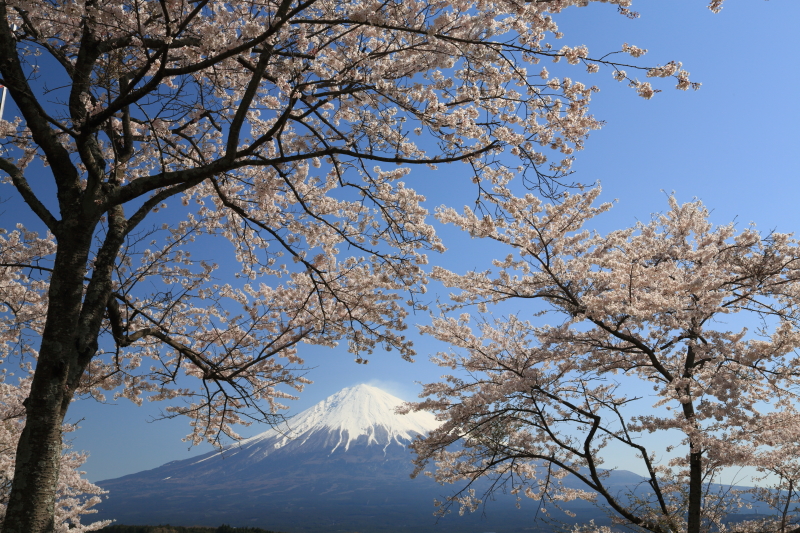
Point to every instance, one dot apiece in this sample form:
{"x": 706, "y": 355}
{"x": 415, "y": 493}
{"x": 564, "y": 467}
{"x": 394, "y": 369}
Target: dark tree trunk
{"x": 695, "y": 453}
{"x": 58, "y": 370}
{"x": 695, "y": 492}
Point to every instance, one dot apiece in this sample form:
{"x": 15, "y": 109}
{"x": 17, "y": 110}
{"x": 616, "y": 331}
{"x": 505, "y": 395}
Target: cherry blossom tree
{"x": 632, "y": 348}
{"x": 150, "y": 132}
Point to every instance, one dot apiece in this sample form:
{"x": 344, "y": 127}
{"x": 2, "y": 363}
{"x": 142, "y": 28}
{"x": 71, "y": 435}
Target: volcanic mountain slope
{"x": 357, "y": 425}
{"x": 341, "y": 465}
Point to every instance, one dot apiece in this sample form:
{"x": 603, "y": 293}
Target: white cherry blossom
{"x": 627, "y": 336}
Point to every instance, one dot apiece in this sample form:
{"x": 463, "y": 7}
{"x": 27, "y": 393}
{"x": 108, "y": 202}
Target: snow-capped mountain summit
{"x": 362, "y": 417}
{"x": 362, "y": 414}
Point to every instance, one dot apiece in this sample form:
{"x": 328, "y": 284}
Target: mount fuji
{"x": 360, "y": 416}
{"x": 341, "y": 465}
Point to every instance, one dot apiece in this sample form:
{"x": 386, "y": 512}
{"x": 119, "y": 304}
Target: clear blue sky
{"x": 733, "y": 144}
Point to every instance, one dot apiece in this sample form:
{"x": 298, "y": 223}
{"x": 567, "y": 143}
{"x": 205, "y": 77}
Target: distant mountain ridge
{"x": 341, "y": 465}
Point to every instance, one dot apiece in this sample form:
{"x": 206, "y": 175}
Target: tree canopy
{"x": 148, "y": 128}
{"x": 632, "y": 337}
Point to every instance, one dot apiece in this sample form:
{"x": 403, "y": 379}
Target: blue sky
{"x": 733, "y": 144}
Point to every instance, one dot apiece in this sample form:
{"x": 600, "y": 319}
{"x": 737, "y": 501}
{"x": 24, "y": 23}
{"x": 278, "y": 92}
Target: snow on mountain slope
{"x": 362, "y": 414}
{"x": 353, "y": 412}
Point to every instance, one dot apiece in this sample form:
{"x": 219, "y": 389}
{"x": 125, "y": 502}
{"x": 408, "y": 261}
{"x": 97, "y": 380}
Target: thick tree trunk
{"x": 32, "y": 500}
{"x": 58, "y": 369}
